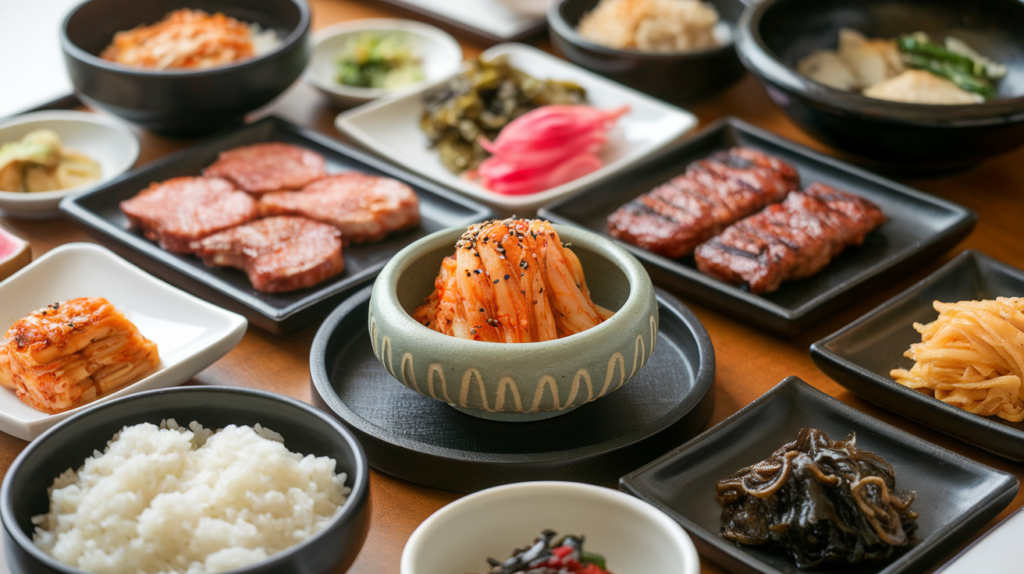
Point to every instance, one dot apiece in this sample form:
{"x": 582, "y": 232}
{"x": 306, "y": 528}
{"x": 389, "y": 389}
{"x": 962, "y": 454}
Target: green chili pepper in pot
{"x": 951, "y": 72}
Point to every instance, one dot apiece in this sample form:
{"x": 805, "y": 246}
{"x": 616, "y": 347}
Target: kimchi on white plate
{"x": 190, "y": 333}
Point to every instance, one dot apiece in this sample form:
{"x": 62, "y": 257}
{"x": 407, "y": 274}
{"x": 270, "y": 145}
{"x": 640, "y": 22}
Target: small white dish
{"x": 440, "y": 54}
{"x": 391, "y": 127}
{"x": 103, "y": 139}
{"x": 633, "y": 536}
{"x": 190, "y": 333}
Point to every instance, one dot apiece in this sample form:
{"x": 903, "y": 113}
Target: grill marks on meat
{"x": 790, "y": 240}
{"x": 704, "y": 210}
{"x": 364, "y": 207}
{"x": 270, "y": 166}
{"x": 677, "y": 216}
{"x": 766, "y": 175}
{"x": 277, "y": 253}
{"x": 176, "y": 212}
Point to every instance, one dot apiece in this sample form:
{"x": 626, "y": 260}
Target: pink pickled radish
{"x": 526, "y": 181}
{"x": 551, "y": 127}
{"x": 539, "y": 157}
{"x": 7, "y": 246}
{"x": 545, "y": 148}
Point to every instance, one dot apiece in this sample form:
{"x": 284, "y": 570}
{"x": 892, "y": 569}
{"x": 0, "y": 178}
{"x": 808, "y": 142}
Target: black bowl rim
{"x": 562, "y": 29}
{"x": 73, "y": 50}
{"x": 763, "y": 63}
{"x": 359, "y": 476}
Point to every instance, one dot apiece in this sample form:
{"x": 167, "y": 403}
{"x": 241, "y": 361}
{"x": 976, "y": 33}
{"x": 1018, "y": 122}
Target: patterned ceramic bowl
{"x": 518, "y": 381}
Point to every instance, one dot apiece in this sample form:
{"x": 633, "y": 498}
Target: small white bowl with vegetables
{"x": 613, "y": 532}
{"x": 362, "y": 60}
{"x": 46, "y": 156}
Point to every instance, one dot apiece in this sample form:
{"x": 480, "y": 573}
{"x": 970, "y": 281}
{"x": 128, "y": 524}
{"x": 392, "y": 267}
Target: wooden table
{"x": 749, "y": 362}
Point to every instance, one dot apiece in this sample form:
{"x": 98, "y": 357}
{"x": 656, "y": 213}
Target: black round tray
{"x": 428, "y": 442}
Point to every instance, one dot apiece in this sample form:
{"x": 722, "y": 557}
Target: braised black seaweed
{"x": 819, "y": 500}
{"x": 480, "y": 101}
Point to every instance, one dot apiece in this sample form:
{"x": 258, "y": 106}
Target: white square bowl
{"x": 190, "y": 333}
{"x": 391, "y": 128}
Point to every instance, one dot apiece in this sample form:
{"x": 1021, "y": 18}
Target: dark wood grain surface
{"x": 749, "y": 361}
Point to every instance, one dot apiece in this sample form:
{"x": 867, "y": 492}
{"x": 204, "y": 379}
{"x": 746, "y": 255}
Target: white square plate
{"x": 190, "y": 333}
{"x": 494, "y": 17}
{"x": 391, "y": 127}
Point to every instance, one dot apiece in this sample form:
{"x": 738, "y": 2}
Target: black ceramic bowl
{"x": 772, "y": 36}
{"x": 678, "y": 78}
{"x": 183, "y": 102}
{"x": 305, "y": 430}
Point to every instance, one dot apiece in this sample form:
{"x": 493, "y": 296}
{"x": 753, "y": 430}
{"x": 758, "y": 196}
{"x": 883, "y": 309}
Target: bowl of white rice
{"x": 188, "y": 480}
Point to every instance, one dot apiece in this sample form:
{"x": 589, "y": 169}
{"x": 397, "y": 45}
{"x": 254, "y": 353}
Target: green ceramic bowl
{"x": 518, "y": 381}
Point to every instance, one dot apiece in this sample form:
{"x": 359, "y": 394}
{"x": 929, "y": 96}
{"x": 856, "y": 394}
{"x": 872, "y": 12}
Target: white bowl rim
{"x": 684, "y": 544}
{"x": 433, "y": 33}
{"x": 622, "y": 259}
{"x": 130, "y": 139}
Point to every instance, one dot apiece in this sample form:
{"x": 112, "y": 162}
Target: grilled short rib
{"x": 789, "y": 240}
{"x": 364, "y": 207}
{"x": 279, "y": 254}
{"x": 176, "y": 212}
{"x": 675, "y": 217}
{"x": 269, "y": 166}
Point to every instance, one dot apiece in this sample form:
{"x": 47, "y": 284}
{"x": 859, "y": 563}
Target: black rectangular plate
{"x": 98, "y": 212}
{"x": 920, "y": 226}
{"x": 860, "y": 355}
{"x": 955, "y": 495}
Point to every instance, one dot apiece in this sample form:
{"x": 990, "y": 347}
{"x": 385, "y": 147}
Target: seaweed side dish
{"x": 820, "y": 501}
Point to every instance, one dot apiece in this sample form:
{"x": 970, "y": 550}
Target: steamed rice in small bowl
{"x": 174, "y": 499}
{"x": 146, "y": 495}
